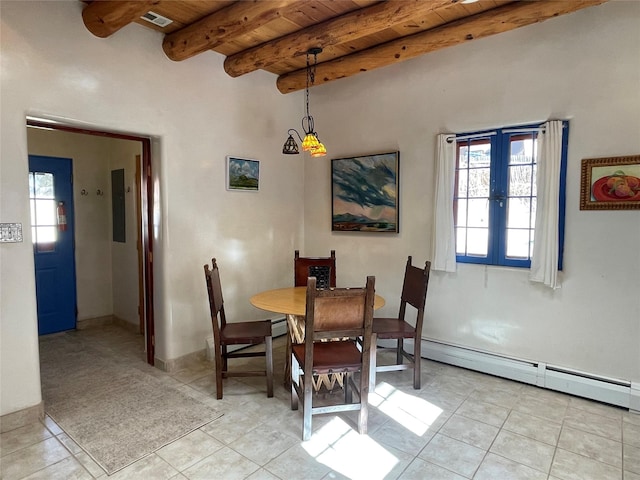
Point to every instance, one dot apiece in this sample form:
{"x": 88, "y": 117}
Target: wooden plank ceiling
{"x": 355, "y": 35}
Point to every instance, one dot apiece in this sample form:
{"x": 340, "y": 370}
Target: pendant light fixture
{"x": 310, "y": 143}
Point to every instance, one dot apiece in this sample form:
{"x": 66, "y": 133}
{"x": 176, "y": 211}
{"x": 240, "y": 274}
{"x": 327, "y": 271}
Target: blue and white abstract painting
{"x": 365, "y": 193}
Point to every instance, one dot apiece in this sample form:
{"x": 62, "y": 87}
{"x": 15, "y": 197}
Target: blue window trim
{"x": 499, "y": 140}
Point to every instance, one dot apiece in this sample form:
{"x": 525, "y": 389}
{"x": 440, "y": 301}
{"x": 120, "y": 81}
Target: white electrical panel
{"x": 10, "y": 232}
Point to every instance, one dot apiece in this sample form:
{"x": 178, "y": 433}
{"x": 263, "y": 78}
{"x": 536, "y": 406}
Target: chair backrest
{"x": 322, "y": 268}
{"x": 216, "y": 302}
{"x": 414, "y": 290}
{"x": 339, "y": 312}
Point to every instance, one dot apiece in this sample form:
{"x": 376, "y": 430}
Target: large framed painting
{"x": 364, "y": 193}
{"x": 610, "y": 183}
{"x": 243, "y": 174}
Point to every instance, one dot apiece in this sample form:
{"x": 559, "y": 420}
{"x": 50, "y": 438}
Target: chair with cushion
{"x": 236, "y": 333}
{"x": 323, "y": 268}
{"x": 336, "y": 320}
{"x": 414, "y": 293}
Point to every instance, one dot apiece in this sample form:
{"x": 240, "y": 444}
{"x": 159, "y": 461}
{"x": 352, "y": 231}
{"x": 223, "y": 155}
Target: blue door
{"x": 51, "y": 199}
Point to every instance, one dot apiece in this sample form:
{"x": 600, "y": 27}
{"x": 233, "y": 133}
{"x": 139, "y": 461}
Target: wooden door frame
{"x": 146, "y": 213}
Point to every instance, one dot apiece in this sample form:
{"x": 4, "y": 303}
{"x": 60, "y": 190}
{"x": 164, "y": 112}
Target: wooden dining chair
{"x": 414, "y": 293}
{"x": 335, "y": 319}
{"x": 323, "y": 268}
{"x": 235, "y": 333}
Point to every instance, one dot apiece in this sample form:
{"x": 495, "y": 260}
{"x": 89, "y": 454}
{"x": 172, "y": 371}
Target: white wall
{"x": 584, "y": 67}
{"x": 124, "y": 255}
{"x": 52, "y": 67}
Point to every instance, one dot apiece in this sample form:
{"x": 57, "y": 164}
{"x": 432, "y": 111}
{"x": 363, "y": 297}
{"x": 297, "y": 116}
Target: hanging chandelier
{"x": 310, "y": 143}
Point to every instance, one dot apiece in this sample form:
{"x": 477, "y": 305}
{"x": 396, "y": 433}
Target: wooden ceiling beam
{"x": 498, "y": 20}
{"x": 221, "y": 26}
{"x": 104, "y": 18}
{"x": 345, "y": 28}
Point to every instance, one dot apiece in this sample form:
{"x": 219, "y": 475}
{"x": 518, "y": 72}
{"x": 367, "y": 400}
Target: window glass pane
{"x": 31, "y": 185}
{"x": 518, "y": 243}
{"x": 520, "y": 180}
{"x": 479, "y": 182}
{"x": 477, "y": 241}
{"x": 461, "y": 217}
{"x": 461, "y": 241}
{"x": 462, "y": 183}
{"x": 522, "y": 150}
{"x": 46, "y": 212}
{"x": 463, "y": 153}
{"x": 534, "y": 206}
{"x": 478, "y": 215}
{"x": 534, "y": 189}
{"x": 43, "y": 205}
{"x": 519, "y": 213}
{"x": 480, "y": 154}
{"x": 533, "y": 234}
{"x": 46, "y": 234}
{"x": 44, "y": 185}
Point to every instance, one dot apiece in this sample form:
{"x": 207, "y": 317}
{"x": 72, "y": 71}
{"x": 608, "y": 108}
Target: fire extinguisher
{"x": 62, "y": 217}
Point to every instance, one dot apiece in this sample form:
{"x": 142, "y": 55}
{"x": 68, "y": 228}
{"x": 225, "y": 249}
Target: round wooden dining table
{"x": 292, "y": 302}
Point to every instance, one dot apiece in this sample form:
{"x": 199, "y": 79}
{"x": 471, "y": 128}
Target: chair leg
{"x": 225, "y": 362}
{"x": 399, "y": 350}
{"x": 416, "y": 362}
{"x": 346, "y": 384}
{"x": 218, "y": 367}
{"x": 269, "y": 359}
{"x": 294, "y": 381}
{"x": 372, "y": 363}
{"x": 307, "y": 408}
{"x": 287, "y": 359}
{"x": 363, "y": 414}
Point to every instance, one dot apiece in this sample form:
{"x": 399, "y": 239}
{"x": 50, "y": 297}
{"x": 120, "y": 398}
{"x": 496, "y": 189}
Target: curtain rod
{"x": 466, "y": 137}
{"x": 539, "y": 128}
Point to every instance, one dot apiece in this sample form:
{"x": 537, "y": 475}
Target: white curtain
{"x": 544, "y": 261}
{"x": 444, "y": 240}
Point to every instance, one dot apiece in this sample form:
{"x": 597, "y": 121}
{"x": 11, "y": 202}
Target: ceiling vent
{"x": 156, "y": 19}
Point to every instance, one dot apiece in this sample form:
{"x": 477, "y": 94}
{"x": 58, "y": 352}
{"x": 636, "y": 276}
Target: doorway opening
{"x": 144, "y": 220}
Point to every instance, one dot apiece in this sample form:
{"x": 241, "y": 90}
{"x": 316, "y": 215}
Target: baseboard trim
{"x": 582, "y": 384}
{"x": 634, "y": 403}
{"x": 23, "y": 417}
{"x": 94, "y": 322}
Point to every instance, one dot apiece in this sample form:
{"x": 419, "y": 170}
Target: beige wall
{"x": 124, "y": 255}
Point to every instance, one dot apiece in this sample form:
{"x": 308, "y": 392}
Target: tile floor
{"x": 460, "y": 425}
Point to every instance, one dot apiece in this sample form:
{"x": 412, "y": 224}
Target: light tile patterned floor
{"x": 460, "y": 425}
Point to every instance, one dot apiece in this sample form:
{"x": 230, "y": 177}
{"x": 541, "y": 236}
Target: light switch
{"x": 10, "y": 232}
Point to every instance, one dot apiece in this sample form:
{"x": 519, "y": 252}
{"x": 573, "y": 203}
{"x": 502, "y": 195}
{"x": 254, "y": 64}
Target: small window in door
{"x": 44, "y": 224}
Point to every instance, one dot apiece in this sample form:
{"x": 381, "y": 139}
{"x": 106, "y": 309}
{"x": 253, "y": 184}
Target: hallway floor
{"x": 460, "y": 425}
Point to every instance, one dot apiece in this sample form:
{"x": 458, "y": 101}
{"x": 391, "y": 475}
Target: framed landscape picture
{"x": 364, "y": 193}
{"x": 243, "y": 174}
{"x": 610, "y": 183}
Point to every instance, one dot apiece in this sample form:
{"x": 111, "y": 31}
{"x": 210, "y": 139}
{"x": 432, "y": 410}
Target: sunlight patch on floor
{"x": 341, "y": 448}
{"x": 413, "y": 413}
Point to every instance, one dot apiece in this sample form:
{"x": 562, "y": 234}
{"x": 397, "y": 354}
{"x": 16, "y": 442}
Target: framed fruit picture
{"x": 610, "y": 183}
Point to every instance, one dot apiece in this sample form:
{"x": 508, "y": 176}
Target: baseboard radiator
{"x": 607, "y": 390}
